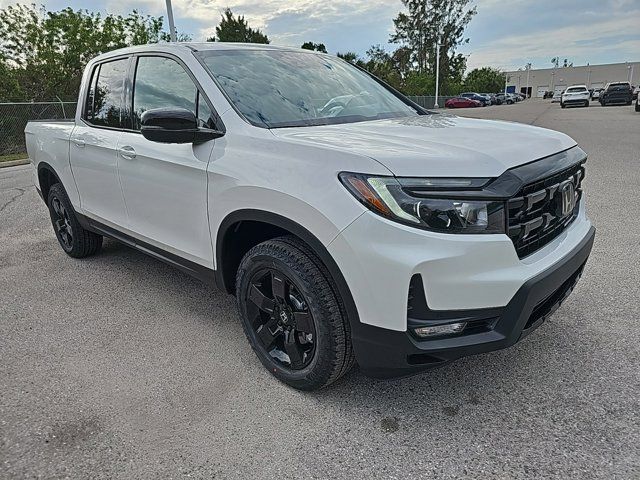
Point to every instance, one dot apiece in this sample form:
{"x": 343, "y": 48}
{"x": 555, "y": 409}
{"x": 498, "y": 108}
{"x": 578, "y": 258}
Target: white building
{"x": 557, "y": 79}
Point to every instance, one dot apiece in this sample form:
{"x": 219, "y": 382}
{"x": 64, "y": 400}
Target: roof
{"x": 198, "y": 46}
{"x": 234, "y": 46}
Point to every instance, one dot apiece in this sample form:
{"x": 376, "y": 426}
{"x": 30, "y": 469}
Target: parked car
{"x": 638, "y": 103}
{"x": 462, "y": 102}
{"x": 636, "y": 90}
{"x": 617, "y": 93}
{"x": 496, "y": 99}
{"x": 575, "y": 95}
{"x": 489, "y": 97}
{"x": 336, "y": 210}
{"x": 595, "y": 94}
{"x": 484, "y": 101}
{"x": 557, "y": 96}
{"x": 505, "y": 98}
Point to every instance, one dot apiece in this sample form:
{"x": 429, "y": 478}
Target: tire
{"x": 586, "y": 104}
{"x": 74, "y": 240}
{"x": 281, "y": 286}
{"x": 637, "y": 107}
{"x": 562, "y": 105}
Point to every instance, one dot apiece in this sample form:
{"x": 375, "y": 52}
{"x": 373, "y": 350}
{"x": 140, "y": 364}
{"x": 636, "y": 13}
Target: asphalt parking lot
{"x": 122, "y": 367}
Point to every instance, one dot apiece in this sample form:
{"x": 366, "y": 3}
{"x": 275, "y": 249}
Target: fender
{"x": 44, "y": 181}
{"x": 234, "y": 218}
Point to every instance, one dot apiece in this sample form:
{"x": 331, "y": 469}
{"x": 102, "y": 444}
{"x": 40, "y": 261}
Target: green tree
{"x": 350, "y": 57}
{"x": 43, "y": 53}
{"x": 380, "y": 63}
{"x": 426, "y": 21}
{"x": 484, "y": 80}
{"x": 318, "y": 47}
{"x": 232, "y": 29}
{"x": 417, "y": 83}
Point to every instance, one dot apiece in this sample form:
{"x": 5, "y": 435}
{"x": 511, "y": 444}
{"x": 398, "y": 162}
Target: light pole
{"x": 172, "y": 27}
{"x": 435, "y": 105}
{"x": 527, "y": 94}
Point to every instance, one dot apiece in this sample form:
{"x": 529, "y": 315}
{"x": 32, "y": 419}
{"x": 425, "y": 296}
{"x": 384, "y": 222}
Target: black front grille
{"x": 535, "y": 214}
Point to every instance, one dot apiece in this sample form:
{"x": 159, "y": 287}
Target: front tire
{"x": 292, "y": 314}
{"x": 74, "y": 240}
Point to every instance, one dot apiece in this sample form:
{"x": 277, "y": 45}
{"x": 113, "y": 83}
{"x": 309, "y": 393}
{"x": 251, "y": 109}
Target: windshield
{"x": 287, "y": 89}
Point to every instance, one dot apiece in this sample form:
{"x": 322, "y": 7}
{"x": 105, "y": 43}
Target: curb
{"x": 14, "y": 163}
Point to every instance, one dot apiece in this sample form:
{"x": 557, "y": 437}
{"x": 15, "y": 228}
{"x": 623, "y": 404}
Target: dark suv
{"x": 618, "y": 92}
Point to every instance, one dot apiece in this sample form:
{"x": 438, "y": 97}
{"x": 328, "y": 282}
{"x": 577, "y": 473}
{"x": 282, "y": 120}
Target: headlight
{"x": 417, "y": 202}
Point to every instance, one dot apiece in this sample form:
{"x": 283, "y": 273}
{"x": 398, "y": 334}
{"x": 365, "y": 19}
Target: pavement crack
{"x": 533, "y": 122}
{"x": 21, "y": 192}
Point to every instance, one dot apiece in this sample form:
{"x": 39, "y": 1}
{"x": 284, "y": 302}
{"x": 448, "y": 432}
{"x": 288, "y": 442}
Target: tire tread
{"x": 294, "y": 253}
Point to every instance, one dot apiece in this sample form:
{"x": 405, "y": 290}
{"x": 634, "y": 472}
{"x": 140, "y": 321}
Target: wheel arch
{"x": 242, "y": 229}
{"x": 47, "y": 176}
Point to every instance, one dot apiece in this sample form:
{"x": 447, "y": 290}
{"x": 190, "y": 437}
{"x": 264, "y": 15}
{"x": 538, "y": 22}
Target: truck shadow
{"x": 481, "y": 386}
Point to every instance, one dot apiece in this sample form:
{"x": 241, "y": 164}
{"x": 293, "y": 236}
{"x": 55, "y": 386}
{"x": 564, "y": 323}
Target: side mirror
{"x": 174, "y": 125}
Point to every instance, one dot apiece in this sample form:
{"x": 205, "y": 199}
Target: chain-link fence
{"x": 14, "y": 117}
{"x": 428, "y": 101}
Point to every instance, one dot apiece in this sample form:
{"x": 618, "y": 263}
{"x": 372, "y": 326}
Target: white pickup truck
{"x": 350, "y": 223}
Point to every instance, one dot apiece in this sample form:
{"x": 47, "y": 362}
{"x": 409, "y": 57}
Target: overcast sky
{"x": 505, "y": 34}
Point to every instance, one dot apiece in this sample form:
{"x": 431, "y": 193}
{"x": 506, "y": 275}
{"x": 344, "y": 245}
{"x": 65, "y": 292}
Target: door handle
{"x": 79, "y": 142}
{"x": 127, "y": 152}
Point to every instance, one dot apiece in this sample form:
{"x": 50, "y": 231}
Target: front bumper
{"x": 384, "y": 353}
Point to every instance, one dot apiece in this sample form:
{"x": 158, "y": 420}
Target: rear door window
{"x": 105, "y": 98}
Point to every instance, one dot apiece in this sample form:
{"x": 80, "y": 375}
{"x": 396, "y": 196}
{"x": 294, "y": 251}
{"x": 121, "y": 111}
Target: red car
{"x": 461, "y": 102}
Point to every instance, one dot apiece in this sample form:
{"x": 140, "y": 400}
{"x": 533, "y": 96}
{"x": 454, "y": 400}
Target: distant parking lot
{"x": 120, "y": 366}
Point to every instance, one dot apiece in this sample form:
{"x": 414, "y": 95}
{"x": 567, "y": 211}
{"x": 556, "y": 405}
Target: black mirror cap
{"x": 174, "y": 125}
{"x": 169, "y": 118}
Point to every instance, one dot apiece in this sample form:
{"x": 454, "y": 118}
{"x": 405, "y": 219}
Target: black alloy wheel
{"x": 76, "y": 241}
{"x": 61, "y": 223}
{"x": 281, "y": 319}
{"x": 293, "y": 315}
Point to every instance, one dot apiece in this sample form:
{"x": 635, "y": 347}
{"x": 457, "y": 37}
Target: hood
{"x": 439, "y": 144}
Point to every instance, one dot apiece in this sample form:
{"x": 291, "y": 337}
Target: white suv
{"x": 350, "y": 223}
{"x": 575, "y": 95}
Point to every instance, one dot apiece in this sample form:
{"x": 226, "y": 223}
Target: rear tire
{"x": 74, "y": 240}
{"x": 281, "y": 286}
{"x": 586, "y": 104}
